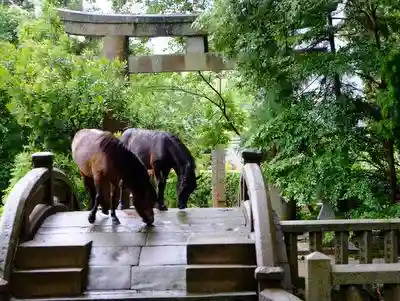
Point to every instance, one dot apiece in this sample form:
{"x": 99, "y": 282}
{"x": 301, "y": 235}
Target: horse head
{"x": 137, "y": 179}
{"x": 144, "y": 200}
{"x": 187, "y": 183}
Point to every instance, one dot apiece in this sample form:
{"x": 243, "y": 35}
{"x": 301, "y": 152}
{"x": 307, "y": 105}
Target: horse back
{"x": 148, "y": 145}
{"x": 88, "y": 155}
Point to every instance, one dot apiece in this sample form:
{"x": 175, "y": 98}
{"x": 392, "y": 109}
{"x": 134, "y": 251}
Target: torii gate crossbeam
{"x": 117, "y": 28}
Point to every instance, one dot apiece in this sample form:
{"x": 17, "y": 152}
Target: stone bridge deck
{"x": 131, "y": 258}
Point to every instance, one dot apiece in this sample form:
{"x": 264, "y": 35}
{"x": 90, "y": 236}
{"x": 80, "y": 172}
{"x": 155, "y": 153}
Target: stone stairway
{"x": 216, "y": 265}
{"x": 50, "y": 270}
{"x": 195, "y": 254}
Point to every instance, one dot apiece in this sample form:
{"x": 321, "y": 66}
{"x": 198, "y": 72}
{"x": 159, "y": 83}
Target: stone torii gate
{"x": 117, "y": 28}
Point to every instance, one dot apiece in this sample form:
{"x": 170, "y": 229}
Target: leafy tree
{"x": 11, "y": 134}
{"x": 328, "y": 139}
{"x": 55, "y": 92}
{"x": 50, "y": 92}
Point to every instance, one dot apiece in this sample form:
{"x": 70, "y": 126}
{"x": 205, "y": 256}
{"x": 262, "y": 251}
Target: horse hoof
{"x": 91, "y": 218}
{"x": 182, "y": 207}
{"x": 162, "y": 207}
{"x": 149, "y": 223}
{"x": 105, "y": 211}
{"x": 115, "y": 221}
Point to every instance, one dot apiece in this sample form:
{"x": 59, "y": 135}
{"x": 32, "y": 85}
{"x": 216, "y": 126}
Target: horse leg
{"x": 97, "y": 200}
{"x": 121, "y": 189}
{"x": 162, "y": 181}
{"x": 89, "y": 186}
{"x": 114, "y": 203}
{"x": 106, "y": 191}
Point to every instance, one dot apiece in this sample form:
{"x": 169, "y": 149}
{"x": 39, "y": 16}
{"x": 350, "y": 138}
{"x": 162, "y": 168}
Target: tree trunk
{"x": 391, "y": 168}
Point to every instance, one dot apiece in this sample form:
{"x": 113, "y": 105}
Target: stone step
{"x": 206, "y": 279}
{"x": 40, "y": 255}
{"x": 221, "y": 250}
{"x": 126, "y": 295}
{"x": 48, "y": 282}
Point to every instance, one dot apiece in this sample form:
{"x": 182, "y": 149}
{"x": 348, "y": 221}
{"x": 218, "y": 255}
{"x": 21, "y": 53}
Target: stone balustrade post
{"x": 45, "y": 160}
{"x": 318, "y": 277}
{"x": 218, "y": 176}
{"x": 252, "y": 156}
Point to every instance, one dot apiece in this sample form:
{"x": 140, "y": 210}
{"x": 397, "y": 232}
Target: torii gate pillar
{"x": 116, "y": 47}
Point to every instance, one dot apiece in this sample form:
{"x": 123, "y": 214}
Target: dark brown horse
{"x": 161, "y": 151}
{"x": 103, "y": 162}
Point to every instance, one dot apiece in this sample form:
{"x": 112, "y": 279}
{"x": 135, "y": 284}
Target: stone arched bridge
{"x": 48, "y": 251}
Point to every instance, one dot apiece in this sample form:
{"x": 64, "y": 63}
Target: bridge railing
{"x": 322, "y": 276}
{"x": 343, "y": 273}
{"x": 272, "y": 272}
{"x": 43, "y": 191}
{"x": 277, "y": 250}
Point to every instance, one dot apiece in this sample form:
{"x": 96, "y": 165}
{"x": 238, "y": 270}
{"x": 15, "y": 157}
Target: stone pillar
{"x": 318, "y": 277}
{"x": 280, "y": 206}
{"x": 251, "y": 156}
{"x": 42, "y": 159}
{"x": 45, "y": 159}
{"x": 218, "y": 176}
{"x": 268, "y": 277}
{"x": 115, "y": 47}
{"x": 196, "y": 44}
{"x": 326, "y": 212}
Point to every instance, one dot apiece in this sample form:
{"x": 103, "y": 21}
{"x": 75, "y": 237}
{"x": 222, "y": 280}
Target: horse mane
{"x": 182, "y": 150}
{"x": 125, "y": 160}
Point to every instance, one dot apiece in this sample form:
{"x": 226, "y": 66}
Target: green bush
{"x": 202, "y": 196}
{"x": 64, "y": 162}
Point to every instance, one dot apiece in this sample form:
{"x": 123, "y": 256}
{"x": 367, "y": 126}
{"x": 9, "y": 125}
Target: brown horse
{"x": 161, "y": 151}
{"x": 103, "y": 162}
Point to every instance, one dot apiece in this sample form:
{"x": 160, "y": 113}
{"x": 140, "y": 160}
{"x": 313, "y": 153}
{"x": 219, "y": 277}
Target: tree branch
{"x": 368, "y": 78}
{"x": 221, "y": 107}
{"x": 172, "y": 88}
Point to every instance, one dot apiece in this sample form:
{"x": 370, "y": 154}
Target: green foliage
{"x": 202, "y": 196}
{"x": 47, "y": 93}
{"x": 64, "y": 162}
{"x": 10, "y": 19}
{"x": 327, "y": 140}
{"x": 11, "y": 134}
{"x": 59, "y": 92}
{"x": 22, "y": 164}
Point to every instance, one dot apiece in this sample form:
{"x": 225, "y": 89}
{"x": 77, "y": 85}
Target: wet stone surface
{"x": 163, "y": 255}
{"x": 115, "y": 256}
{"x": 109, "y": 278}
{"x": 158, "y": 278}
{"x": 134, "y": 257}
